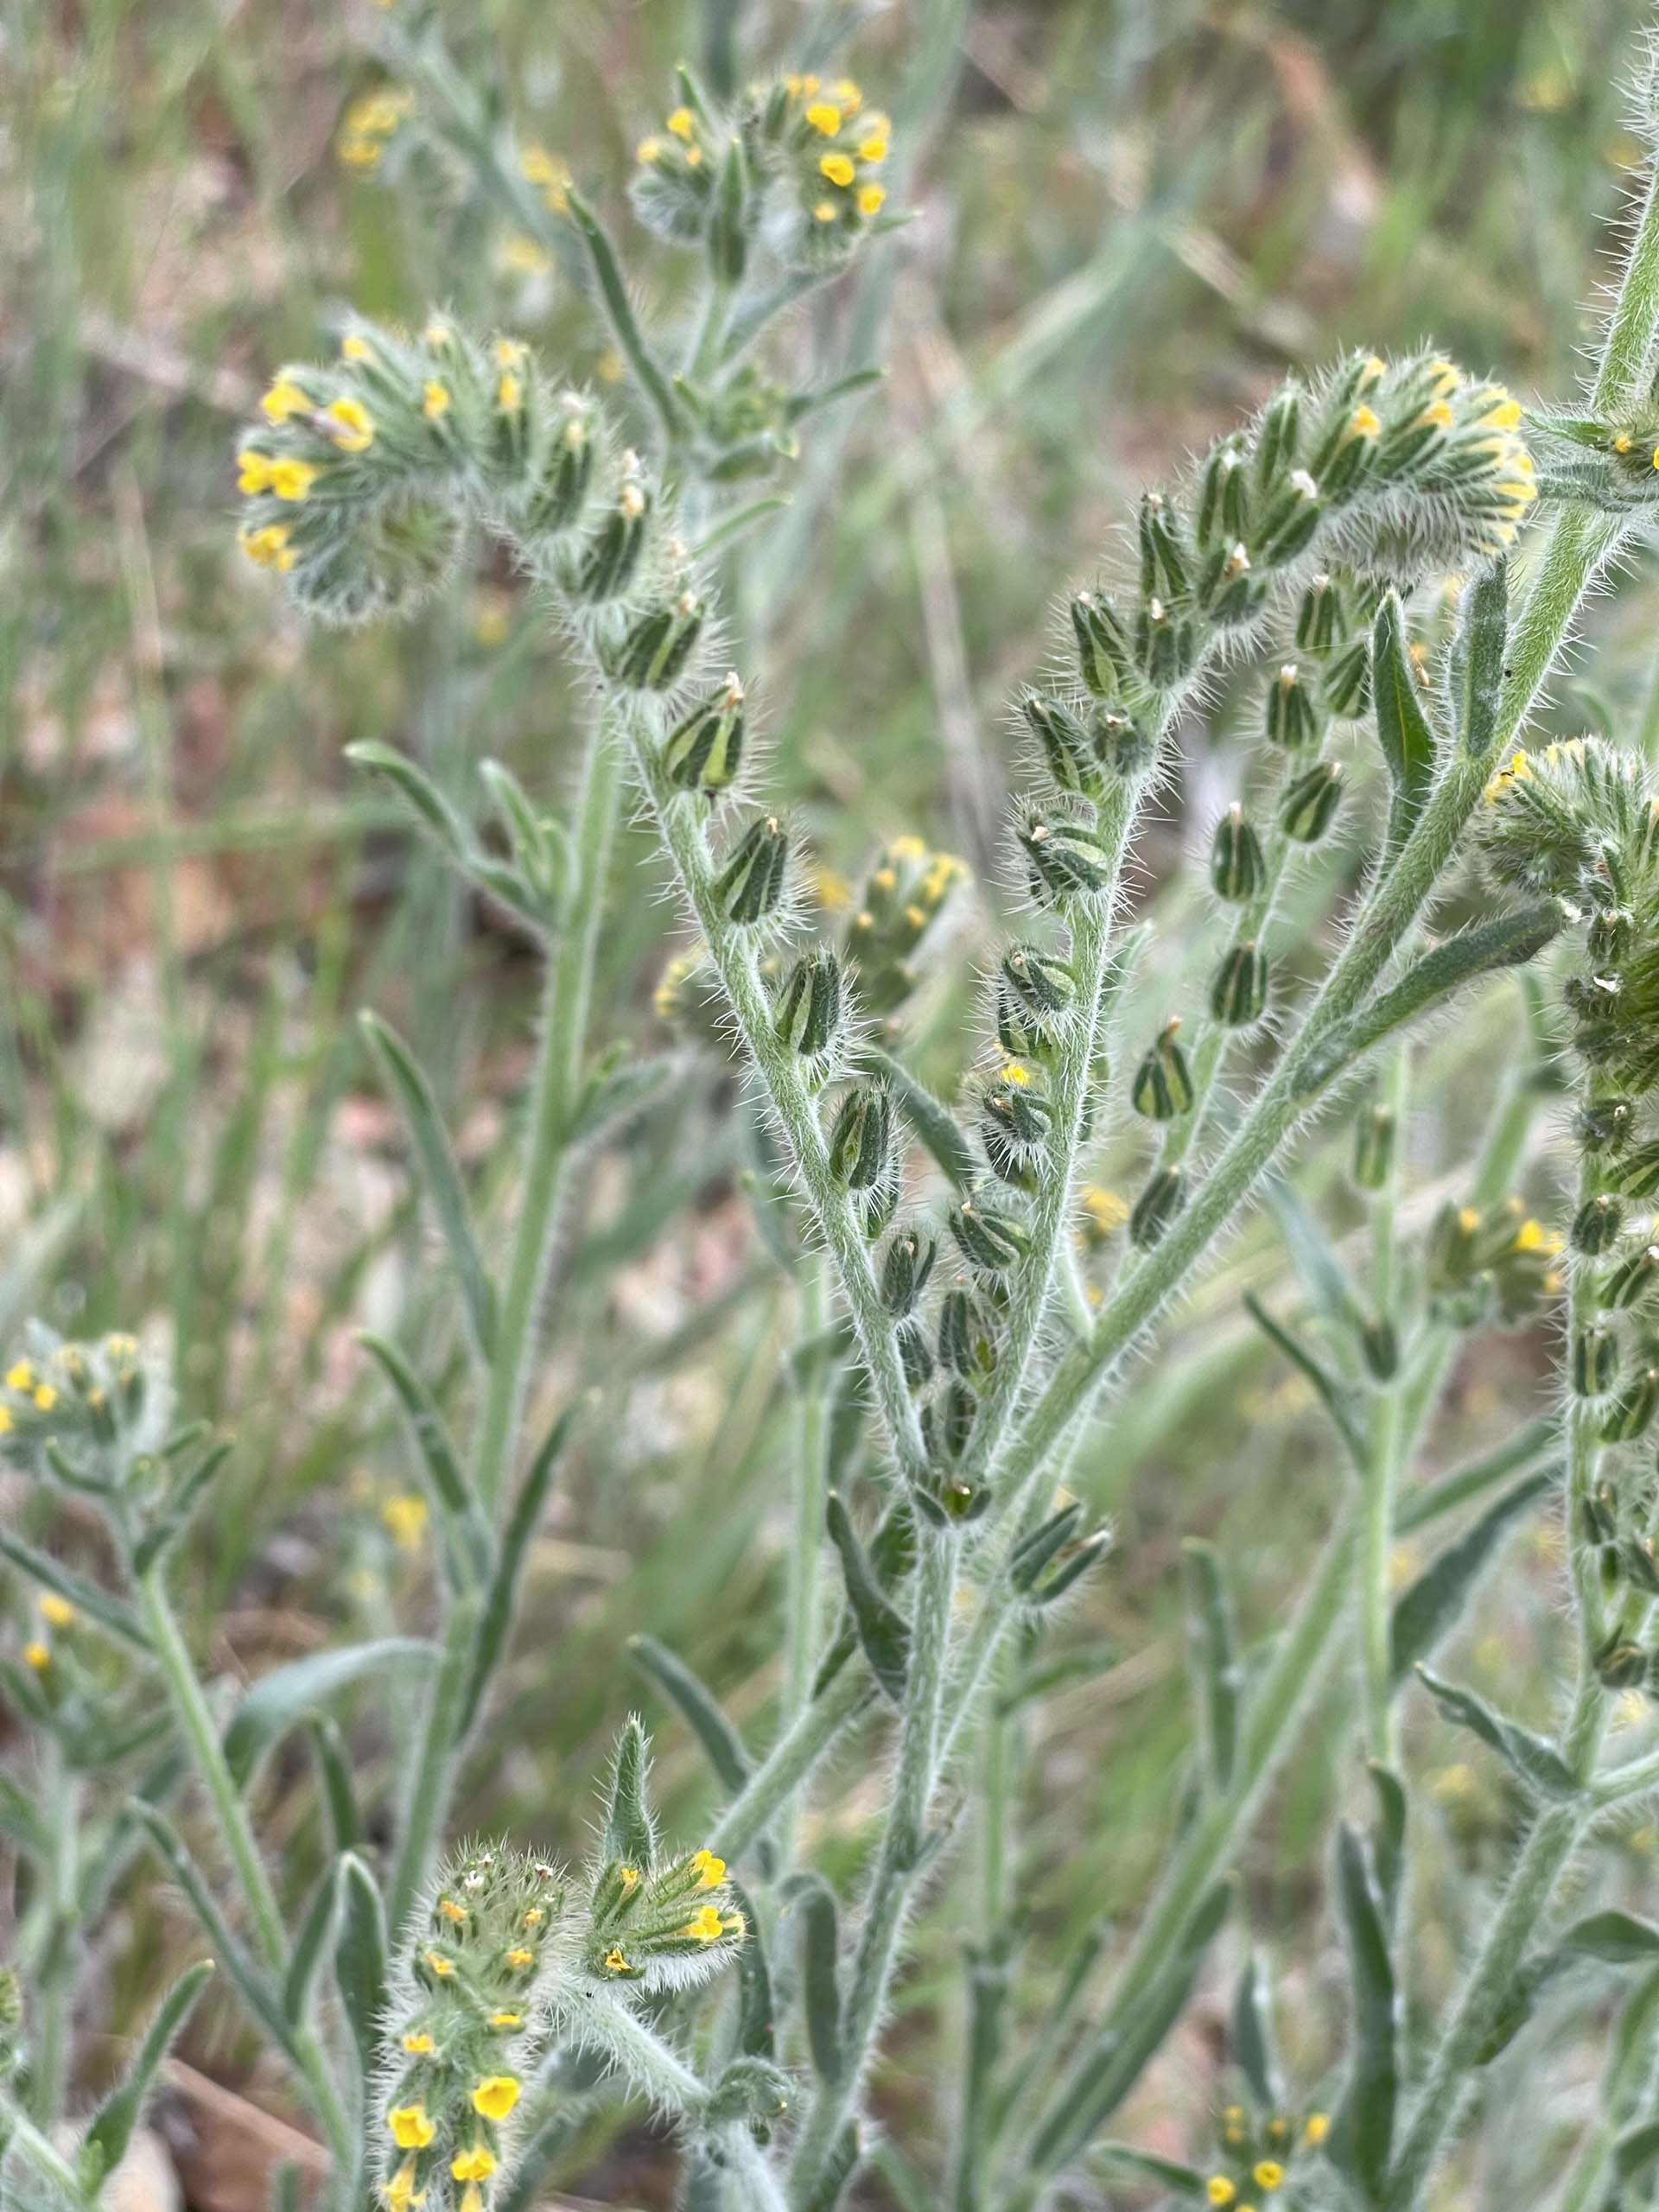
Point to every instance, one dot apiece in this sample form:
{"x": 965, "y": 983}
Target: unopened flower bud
{"x": 1311, "y": 801}
{"x": 1293, "y": 712}
{"x": 906, "y": 1267}
{"x": 808, "y": 1017}
{"x": 990, "y": 1241}
{"x": 1104, "y": 657}
{"x": 1375, "y": 1132}
{"x": 861, "y": 1139}
{"x": 1239, "y": 992}
{"x": 751, "y": 884}
{"x": 1594, "y": 1359}
{"x": 704, "y": 750}
{"x": 1156, "y": 1207}
{"x": 1238, "y": 866}
{"x": 1163, "y": 1084}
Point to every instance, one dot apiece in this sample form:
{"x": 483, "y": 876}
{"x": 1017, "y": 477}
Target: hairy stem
{"x": 1382, "y": 1470}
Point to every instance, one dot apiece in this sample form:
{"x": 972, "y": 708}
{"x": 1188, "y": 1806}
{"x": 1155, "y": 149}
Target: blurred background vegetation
{"x": 1129, "y": 220}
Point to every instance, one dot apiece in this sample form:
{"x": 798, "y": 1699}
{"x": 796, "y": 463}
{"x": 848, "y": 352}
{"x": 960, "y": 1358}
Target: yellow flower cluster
{"x": 854, "y": 145}
{"x": 549, "y": 174}
{"x": 368, "y": 124}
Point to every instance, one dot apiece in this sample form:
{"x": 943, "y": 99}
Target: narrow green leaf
{"x": 361, "y": 1951}
{"x": 1249, "y": 2041}
{"x": 810, "y": 1897}
{"x": 418, "y": 791}
{"x": 1331, "y": 1393}
{"x": 757, "y": 2031}
{"x": 254, "y": 1990}
{"x": 339, "y": 1790}
{"x": 721, "y": 1742}
{"x": 310, "y": 1947}
{"x": 406, "y": 1080}
{"x": 283, "y": 1697}
{"x": 1388, "y": 1837}
{"x": 628, "y": 1831}
{"x": 458, "y": 1509}
{"x": 1212, "y": 1657}
{"x": 1617, "y": 1939}
{"x": 111, "y": 2129}
{"x": 1506, "y": 941}
{"x": 619, "y": 308}
{"x": 1478, "y": 651}
{"x": 1185, "y": 2181}
{"x": 1537, "y": 1763}
{"x": 880, "y": 1628}
{"x": 85, "y": 1597}
{"x": 1408, "y": 739}
{"x": 1367, "y": 2124}
{"x": 528, "y": 1509}
{"x": 936, "y": 1126}
{"x": 1429, "y": 1609}
{"x": 1635, "y": 2153}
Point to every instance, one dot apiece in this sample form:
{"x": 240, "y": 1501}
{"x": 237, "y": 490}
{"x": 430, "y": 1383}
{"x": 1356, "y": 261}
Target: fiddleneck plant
{"x": 985, "y": 1316}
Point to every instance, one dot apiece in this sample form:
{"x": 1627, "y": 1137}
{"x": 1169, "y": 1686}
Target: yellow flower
{"x": 254, "y": 469}
{"x": 847, "y": 93}
{"x": 359, "y": 153}
{"x": 419, "y": 2046}
{"x": 1268, "y": 2174}
{"x": 434, "y": 400}
{"x": 682, "y": 123}
{"x": 442, "y": 1966}
{"x": 1519, "y": 771}
{"x": 837, "y": 168}
{"x": 505, "y": 2020}
{"x": 453, "y": 1913}
{"x": 824, "y": 117}
{"x": 710, "y": 1871}
{"x": 37, "y": 1656}
{"x": 292, "y": 480}
{"x": 477, "y": 2164}
{"x": 520, "y": 1957}
{"x": 57, "y": 1611}
{"x": 874, "y": 148}
{"x": 355, "y": 348}
{"x": 1317, "y": 2127}
{"x": 496, "y": 2096}
{"x": 1439, "y": 413}
{"x": 870, "y": 197}
{"x": 284, "y": 398}
{"x": 1364, "y": 424}
{"x": 824, "y": 212}
{"x": 268, "y": 548}
{"x": 616, "y": 1963}
{"x": 1219, "y": 2190}
{"x": 45, "y": 1396}
{"x": 534, "y": 1916}
{"x": 509, "y": 395}
{"x": 353, "y": 427}
{"x": 21, "y": 1376}
{"x": 694, "y": 157}
{"x": 629, "y": 1878}
{"x": 400, "y": 2192}
{"x": 705, "y": 1927}
{"x": 405, "y": 1516}
{"x": 648, "y": 150}
{"x": 412, "y": 2126}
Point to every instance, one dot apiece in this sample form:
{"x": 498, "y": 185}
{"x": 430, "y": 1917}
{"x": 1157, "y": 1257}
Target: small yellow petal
{"x": 824, "y": 117}
{"x": 870, "y": 197}
{"x": 837, "y": 168}
{"x": 495, "y": 2096}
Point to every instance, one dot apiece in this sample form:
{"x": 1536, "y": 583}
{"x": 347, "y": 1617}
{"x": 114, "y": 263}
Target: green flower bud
{"x": 751, "y": 884}
{"x": 1320, "y": 620}
{"x": 1620, "y": 1666}
{"x": 906, "y": 1267}
{"x": 1104, "y": 660}
{"x": 1637, "y": 1172}
{"x": 1606, "y": 1125}
{"x": 1292, "y": 519}
{"x": 1594, "y": 1359}
{"x": 556, "y": 500}
{"x": 1374, "y": 1140}
{"x": 914, "y": 1356}
{"x": 1293, "y": 713}
{"x": 1014, "y": 1123}
{"x": 1223, "y": 498}
{"x": 1229, "y": 589}
{"x": 1311, "y": 801}
{"x": 1070, "y": 747}
{"x": 967, "y": 1339}
{"x": 1238, "y": 866}
{"x": 652, "y": 651}
{"x": 1163, "y": 1083}
{"x": 861, "y": 1138}
{"x": 1156, "y": 1207}
{"x": 1126, "y": 747}
{"x": 1164, "y": 644}
{"x": 949, "y": 1422}
{"x": 1278, "y": 437}
{"x": 808, "y": 1017}
{"x": 1598, "y": 1224}
{"x": 1609, "y": 933}
{"x": 1064, "y": 860}
{"x": 1379, "y": 1342}
{"x": 1348, "y": 681}
{"x": 1630, "y": 1411}
{"x": 989, "y": 1241}
{"x": 1631, "y": 1280}
{"x": 1166, "y": 565}
{"x": 1239, "y": 993}
{"x": 704, "y": 751}
{"x": 606, "y": 565}
{"x": 732, "y": 217}
{"x": 1033, "y": 993}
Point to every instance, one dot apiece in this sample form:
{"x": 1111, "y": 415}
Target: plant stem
{"x": 791, "y": 1758}
{"x": 432, "y": 1779}
{"x": 793, "y": 1103}
{"x": 902, "y": 1855}
{"x": 555, "y": 1092}
{"x": 49, "y": 2067}
{"x": 801, "y": 1627}
{"x": 202, "y": 1739}
{"x": 1382, "y": 1470}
